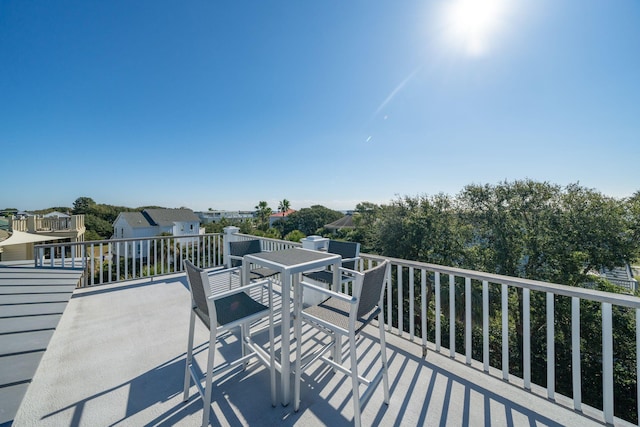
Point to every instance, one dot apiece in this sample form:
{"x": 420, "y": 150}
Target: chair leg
{"x": 383, "y": 356}
{"x": 189, "y": 360}
{"x": 206, "y": 399}
{"x": 355, "y": 383}
{"x": 244, "y": 332}
{"x": 337, "y": 349}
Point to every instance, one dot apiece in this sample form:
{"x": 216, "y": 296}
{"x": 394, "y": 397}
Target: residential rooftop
{"x": 116, "y": 354}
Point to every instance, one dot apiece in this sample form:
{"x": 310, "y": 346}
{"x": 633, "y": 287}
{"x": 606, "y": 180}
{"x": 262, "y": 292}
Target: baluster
{"x": 575, "y": 353}
{"x": 505, "y": 332}
{"x": 438, "y": 311}
{"x": 400, "y": 301}
{"x": 411, "y": 305}
{"x": 485, "y": 325}
{"x": 423, "y": 308}
{"x": 452, "y": 315}
{"x": 467, "y": 331}
{"x": 526, "y": 332}
{"x": 607, "y": 363}
{"x": 551, "y": 358}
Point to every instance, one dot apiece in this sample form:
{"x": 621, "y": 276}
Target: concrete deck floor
{"x": 117, "y": 358}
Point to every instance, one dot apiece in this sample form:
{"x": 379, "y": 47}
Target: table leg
{"x": 337, "y": 277}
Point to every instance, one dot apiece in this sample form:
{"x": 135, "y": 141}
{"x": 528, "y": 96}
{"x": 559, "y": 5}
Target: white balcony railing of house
{"x": 424, "y": 302}
{"x": 34, "y": 224}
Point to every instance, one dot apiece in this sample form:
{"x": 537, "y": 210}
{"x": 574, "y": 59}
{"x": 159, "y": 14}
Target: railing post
{"x": 315, "y": 243}
{"x": 229, "y": 236}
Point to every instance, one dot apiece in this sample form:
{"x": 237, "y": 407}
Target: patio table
{"x": 291, "y": 263}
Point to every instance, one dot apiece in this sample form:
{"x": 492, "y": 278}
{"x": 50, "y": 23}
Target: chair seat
{"x": 261, "y": 273}
{"x": 236, "y": 307}
{"x": 336, "y": 312}
{"x": 324, "y": 276}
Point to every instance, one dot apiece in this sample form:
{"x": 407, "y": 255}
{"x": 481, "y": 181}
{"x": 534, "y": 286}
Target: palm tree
{"x": 284, "y": 206}
{"x": 263, "y": 212}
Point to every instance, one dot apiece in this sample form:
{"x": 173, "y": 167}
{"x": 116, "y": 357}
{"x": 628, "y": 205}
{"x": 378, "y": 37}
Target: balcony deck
{"x": 117, "y": 358}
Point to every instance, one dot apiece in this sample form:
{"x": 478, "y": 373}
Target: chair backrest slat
{"x": 197, "y": 287}
{"x": 242, "y": 248}
{"x": 372, "y": 287}
{"x": 345, "y": 250}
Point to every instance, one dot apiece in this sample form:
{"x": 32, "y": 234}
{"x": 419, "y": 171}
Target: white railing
{"x": 108, "y": 261}
{"x": 408, "y": 296}
{"x": 34, "y": 224}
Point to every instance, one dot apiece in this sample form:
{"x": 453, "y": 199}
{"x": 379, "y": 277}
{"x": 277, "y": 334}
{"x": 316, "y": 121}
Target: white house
{"x": 154, "y": 222}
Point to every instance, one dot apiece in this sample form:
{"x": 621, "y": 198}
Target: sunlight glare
{"x": 472, "y": 22}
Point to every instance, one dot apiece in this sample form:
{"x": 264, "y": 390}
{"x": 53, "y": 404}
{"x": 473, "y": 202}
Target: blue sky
{"x": 220, "y": 104}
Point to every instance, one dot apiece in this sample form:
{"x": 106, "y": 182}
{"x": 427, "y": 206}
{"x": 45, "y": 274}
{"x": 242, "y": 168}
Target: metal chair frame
{"x": 218, "y": 316}
{"x": 346, "y": 315}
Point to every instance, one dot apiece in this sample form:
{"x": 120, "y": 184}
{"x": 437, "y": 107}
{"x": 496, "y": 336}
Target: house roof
{"x": 167, "y": 217}
{"x": 344, "y": 222}
{"x": 135, "y": 219}
{"x": 282, "y": 214}
{"x": 158, "y": 217}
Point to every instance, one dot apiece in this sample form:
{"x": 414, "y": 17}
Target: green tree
{"x": 284, "y": 205}
{"x": 263, "y": 212}
{"x": 82, "y": 205}
{"x": 365, "y": 218}
{"x": 98, "y": 227}
{"x": 295, "y": 236}
{"x": 309, "y": 220}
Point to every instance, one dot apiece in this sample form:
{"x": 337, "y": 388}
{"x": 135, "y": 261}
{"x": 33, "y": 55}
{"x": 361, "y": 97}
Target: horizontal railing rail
{"x": 269, "y": 244}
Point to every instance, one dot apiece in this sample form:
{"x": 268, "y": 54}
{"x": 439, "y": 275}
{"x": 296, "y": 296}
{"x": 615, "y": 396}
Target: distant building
{"x": 154, "y": 222}
{"x": 24, "y": 231}
{"x": 279, "y": 216}
{"x": 151, "y": 223}
{"x": 346, "y": 222}
{"x": 207, "y": 217}
{"x": 56, "y": 214}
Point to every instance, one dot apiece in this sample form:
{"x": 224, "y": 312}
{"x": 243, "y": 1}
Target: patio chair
{"x": 221, "y": 303}
{"x": 237, "y": 250}
{"x": 350, "y": 253}
{"x": 347, "y": 315}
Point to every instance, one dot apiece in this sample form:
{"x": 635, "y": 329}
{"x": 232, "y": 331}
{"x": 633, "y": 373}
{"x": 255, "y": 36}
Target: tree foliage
{"x": 308, "y": 220}
{"x": 284, "y": 205}
{"x": 527, "y": 229}
{"x": 263, "y": 212}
